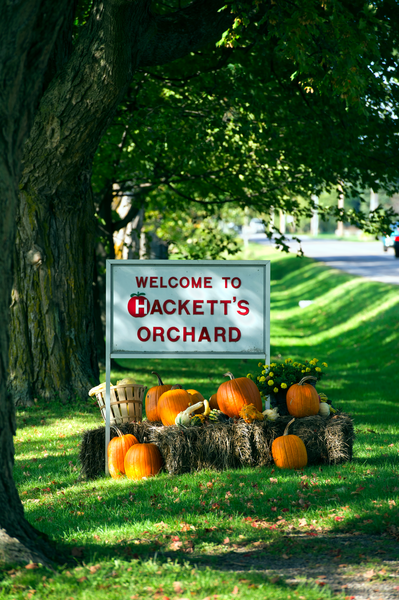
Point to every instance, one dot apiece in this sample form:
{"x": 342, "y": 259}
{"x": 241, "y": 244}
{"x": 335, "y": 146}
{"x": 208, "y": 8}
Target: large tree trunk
{"x": 52, "y": 305}
{"x": 26, "y": 42}
{"x": 52, "y": 318}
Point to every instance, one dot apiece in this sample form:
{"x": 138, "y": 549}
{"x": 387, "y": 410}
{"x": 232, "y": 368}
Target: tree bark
{"x": 53, "y": 349}
{"x": 26, "y": 43}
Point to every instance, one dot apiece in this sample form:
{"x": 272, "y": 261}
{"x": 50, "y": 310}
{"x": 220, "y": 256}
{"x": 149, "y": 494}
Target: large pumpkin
{"x": 302, "y": 399}
{"x": 143, "y": 460}
{"x": 289, "y": 451}
{"x": 152, "y": 397}
{"x": 171, "y": 403}
{"x": 232, "y": 395}
{"x": 116, "y": 452}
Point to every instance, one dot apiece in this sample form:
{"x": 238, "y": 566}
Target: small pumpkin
{"x": 152, "y": 397}
{"x": 171, "y": 403}
{"x": 289, "y": 451}
{"x": 232, "y": 395}
{"x": 116, "y": 452}
{"x": 302, "y": 399}
{"x": 143, "y": 460}
{"x": 213, "y": 403}
{"x": 196, "y": 397}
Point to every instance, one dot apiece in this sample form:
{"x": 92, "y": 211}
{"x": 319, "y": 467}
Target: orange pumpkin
{"x": 195, "y": 398}
{"x": 116, "y": 452}
{"x": 302, "y": 399}
{"x": 232, "y": 395}
{"x": 289, "y": 451}
{"x": 152, "y": 397}
{"x": 171, "y": 403}
{"x": 143, "y": 460}
{"x": 213, "y": 403}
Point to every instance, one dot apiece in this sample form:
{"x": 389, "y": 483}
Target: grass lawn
{"x": 253, "y": 533}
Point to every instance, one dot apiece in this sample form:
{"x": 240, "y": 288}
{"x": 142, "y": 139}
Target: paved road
{"x": 366, "y": 259}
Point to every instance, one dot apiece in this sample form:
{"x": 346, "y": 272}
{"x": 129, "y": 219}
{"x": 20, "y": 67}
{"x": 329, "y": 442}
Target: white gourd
{"x": 271, "y": 414}
{"x": 324, "y": 409}
{"x": 183, "y": 418}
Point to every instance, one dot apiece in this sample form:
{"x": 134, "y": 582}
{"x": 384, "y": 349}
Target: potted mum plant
{"x": 274, "y": 380}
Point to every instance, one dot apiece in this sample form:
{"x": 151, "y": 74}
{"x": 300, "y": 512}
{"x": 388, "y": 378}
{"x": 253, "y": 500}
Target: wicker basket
{"x": 126, "y": 403}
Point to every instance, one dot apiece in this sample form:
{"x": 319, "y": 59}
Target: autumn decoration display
{"x": 233, "y": 419}
{"x": 289, "y": 451}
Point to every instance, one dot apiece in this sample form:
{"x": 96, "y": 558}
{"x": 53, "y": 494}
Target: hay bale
{"x": 339, "y": 436}
{"x": 220, "y": 446}
{"x": 216, "y": 448}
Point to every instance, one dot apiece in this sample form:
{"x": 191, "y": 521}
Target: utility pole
{"x": 314, "y": 221}
{"x": 340, "y": 225}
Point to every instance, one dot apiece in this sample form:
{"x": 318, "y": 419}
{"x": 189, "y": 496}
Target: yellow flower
{"x": 318, "y": 369}
{"x": 262, "y": 379}
{"x": 273, "y": 365}
{"x": 284, "y": 386}
{"x": 263, "y": 372}
{"x": 324, "y": 364}
{"x": 316, "y": 360}
{"x": 288, "y": 360}
{"x": 275, "y": 390}
{"x": 271, "y": 374}
{"x": 249, "y": 376}
{"x": 271, "y": 382}
{"x": 260, "y": 365}
{"x": 308, "y": 370}
{"x": 303, "y": 371}
{"x": 312, "y": 362}
{"x": 266, "y": 366}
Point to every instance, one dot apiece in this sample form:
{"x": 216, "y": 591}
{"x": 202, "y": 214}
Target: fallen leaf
{"x": 369, "y": 574}
{"x": 32, "y": 566}
{"x": 235, "y": 590}
{"x": 94, "y": 568}
{"x": 177, "y": 586}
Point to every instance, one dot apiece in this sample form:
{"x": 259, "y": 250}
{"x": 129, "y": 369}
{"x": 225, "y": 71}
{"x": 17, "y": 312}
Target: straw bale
{"x": 220, "y": 446}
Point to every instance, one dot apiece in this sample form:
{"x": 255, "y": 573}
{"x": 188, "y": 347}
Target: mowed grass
{"x": 210, "y": 534}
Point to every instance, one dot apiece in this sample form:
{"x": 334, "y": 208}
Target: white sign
{"x": 190, "y": 308}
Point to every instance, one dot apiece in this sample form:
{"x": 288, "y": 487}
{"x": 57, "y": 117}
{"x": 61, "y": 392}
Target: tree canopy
{"x": 238, "y": 126}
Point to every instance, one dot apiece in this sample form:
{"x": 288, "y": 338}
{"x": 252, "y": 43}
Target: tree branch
{"x": 187, "y": 30}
